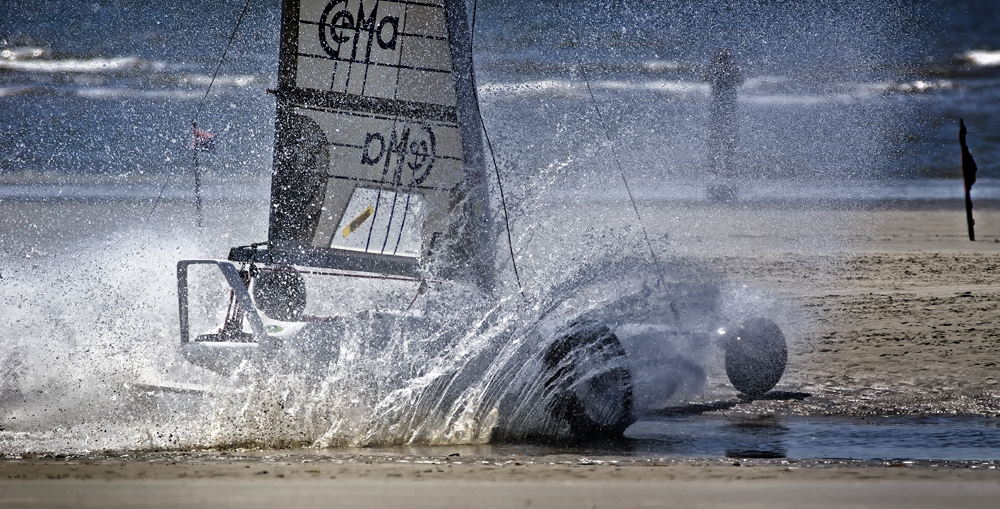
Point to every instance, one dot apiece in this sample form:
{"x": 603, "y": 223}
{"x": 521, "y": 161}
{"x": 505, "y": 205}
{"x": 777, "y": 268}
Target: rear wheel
{"x": 589, "y": 380}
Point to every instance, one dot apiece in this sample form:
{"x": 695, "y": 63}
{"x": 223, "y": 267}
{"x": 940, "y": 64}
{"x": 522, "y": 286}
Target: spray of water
{"x": 86, "y": 346}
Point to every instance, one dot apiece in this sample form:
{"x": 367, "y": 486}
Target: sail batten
{"x": 369, "y": 105}
{"x": 377, "y": 140}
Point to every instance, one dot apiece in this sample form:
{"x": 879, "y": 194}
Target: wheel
{"x": 589, "y": 381}
{"x": 756, "y": 355}
{"x": 280, "y": 292}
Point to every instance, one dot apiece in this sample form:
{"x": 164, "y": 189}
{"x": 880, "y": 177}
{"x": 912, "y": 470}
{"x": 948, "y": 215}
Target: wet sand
{"x": 902, "y": 321}
{"x": 503, "y": 494}
{"x": 889, "y": 309}
{"x": 298, "y": 479}
{"x": 893, "y": 312}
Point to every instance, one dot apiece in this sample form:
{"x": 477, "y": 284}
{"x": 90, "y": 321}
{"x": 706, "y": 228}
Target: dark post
{"x": 968, "y": 178}
{"x": 724, "y": 76}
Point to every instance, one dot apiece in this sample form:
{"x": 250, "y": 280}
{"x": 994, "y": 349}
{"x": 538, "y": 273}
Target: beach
{"x": 848, "y": 232}
{"x": 887, "y": 310}
{"x": 367, "y": 479}
{"x": 894, "y": 314}
{"x": 901, "y": 314}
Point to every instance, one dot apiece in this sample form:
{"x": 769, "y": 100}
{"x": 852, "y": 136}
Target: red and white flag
{"x": 203, "y": 140}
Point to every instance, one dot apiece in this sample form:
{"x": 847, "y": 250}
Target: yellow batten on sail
{"x": 358, "y": 221}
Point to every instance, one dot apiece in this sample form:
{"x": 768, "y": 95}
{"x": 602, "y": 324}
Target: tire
{"x": 756, "y": 356}
{"x": 589, "y": 383}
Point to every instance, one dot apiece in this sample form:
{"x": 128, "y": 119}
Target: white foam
{"x": 678, "y": 87}
{"x": 762, "y": 90}
{"x": 568, "y": 87}
{"x": 528, "y": 88}
{"x": 8, "y": 91}
{"x": 918, "y": 86}
{"x": 116, "y": 93}
{"x": 23, "y": 53}
{"x": 663, "y": 65}
{"x": 93, "y": 65}
{"x": 985, "y": 58}
{"x": 239, "y": 80}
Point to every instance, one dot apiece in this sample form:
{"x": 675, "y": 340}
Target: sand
{"x": 903, "y": 321}
{"x": 889, "y": 310}
{"x": 297, "y": 479}
{"x": 477, "y": 494}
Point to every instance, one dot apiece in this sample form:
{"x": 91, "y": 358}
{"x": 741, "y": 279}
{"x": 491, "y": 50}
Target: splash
{"x": 92, "y": 360}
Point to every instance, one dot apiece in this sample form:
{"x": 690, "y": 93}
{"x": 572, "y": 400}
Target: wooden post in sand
{"x": 968, "y": 178}
{"x": 723, "y": 127}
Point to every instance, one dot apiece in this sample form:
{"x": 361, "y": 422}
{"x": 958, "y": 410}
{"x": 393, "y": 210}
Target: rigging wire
{"x": 157, "y": 200}
{"x": 197, "y": 113}
{"x": 232, "y": 36}
{"x": 496, "y": 168}
{"x": 614, "y": 151}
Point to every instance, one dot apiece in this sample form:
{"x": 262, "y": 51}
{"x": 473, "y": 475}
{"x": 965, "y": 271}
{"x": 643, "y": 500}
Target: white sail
{"x": 378, "y": 160}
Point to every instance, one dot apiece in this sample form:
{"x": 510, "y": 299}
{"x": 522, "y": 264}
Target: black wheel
{"x": 589, "y": 381}
{"x": 280, "y": 292}
{"x": 756, "y": 355}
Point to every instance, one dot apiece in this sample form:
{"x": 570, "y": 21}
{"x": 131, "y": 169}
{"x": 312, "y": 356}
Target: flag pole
{"x": 968, "y": 215}
{"x": 197, "y": 172}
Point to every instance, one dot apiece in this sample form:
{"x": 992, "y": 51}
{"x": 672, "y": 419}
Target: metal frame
{"x": 232, "y": 275}
{"x": 284, "y": 253}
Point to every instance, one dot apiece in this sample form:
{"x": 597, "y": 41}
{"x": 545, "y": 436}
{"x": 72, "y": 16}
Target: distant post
{"x": 968, "y": 178}
{"x": 724, "y": 76}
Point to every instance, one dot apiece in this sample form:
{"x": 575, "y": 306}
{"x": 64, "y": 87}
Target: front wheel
{"x": 756, "y": 356}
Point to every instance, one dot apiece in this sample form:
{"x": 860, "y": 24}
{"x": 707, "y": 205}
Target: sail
{"x": 378, "y": 161}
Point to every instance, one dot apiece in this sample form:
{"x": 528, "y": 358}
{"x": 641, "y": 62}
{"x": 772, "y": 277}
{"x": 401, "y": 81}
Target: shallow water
{"x": 842, "y": 90}
{"x": 849, "y": 438}
{"x": 869, "y": 438}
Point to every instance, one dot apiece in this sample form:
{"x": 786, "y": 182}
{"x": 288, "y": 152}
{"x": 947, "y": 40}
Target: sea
{"x": 849, "y": 102}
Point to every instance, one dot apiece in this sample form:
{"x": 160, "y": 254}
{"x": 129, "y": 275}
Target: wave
{"x": 92, "y": 92}
{"x": 919, "y": 86}
{"x": 982, "y": 58}
{"x": 236, "y": 80}
{"x": 667, "y": 65}
{"x": 92, "y": 65}
{"x": 36, "y": 60}
{"x": 28, "y": 52}
{"x": 18, "y": 90}
{"x": 758, "y": 90}
{"x": 579, "y": 87}
{"x": 529, "y": 88}
{"x": 129, "y": 93}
